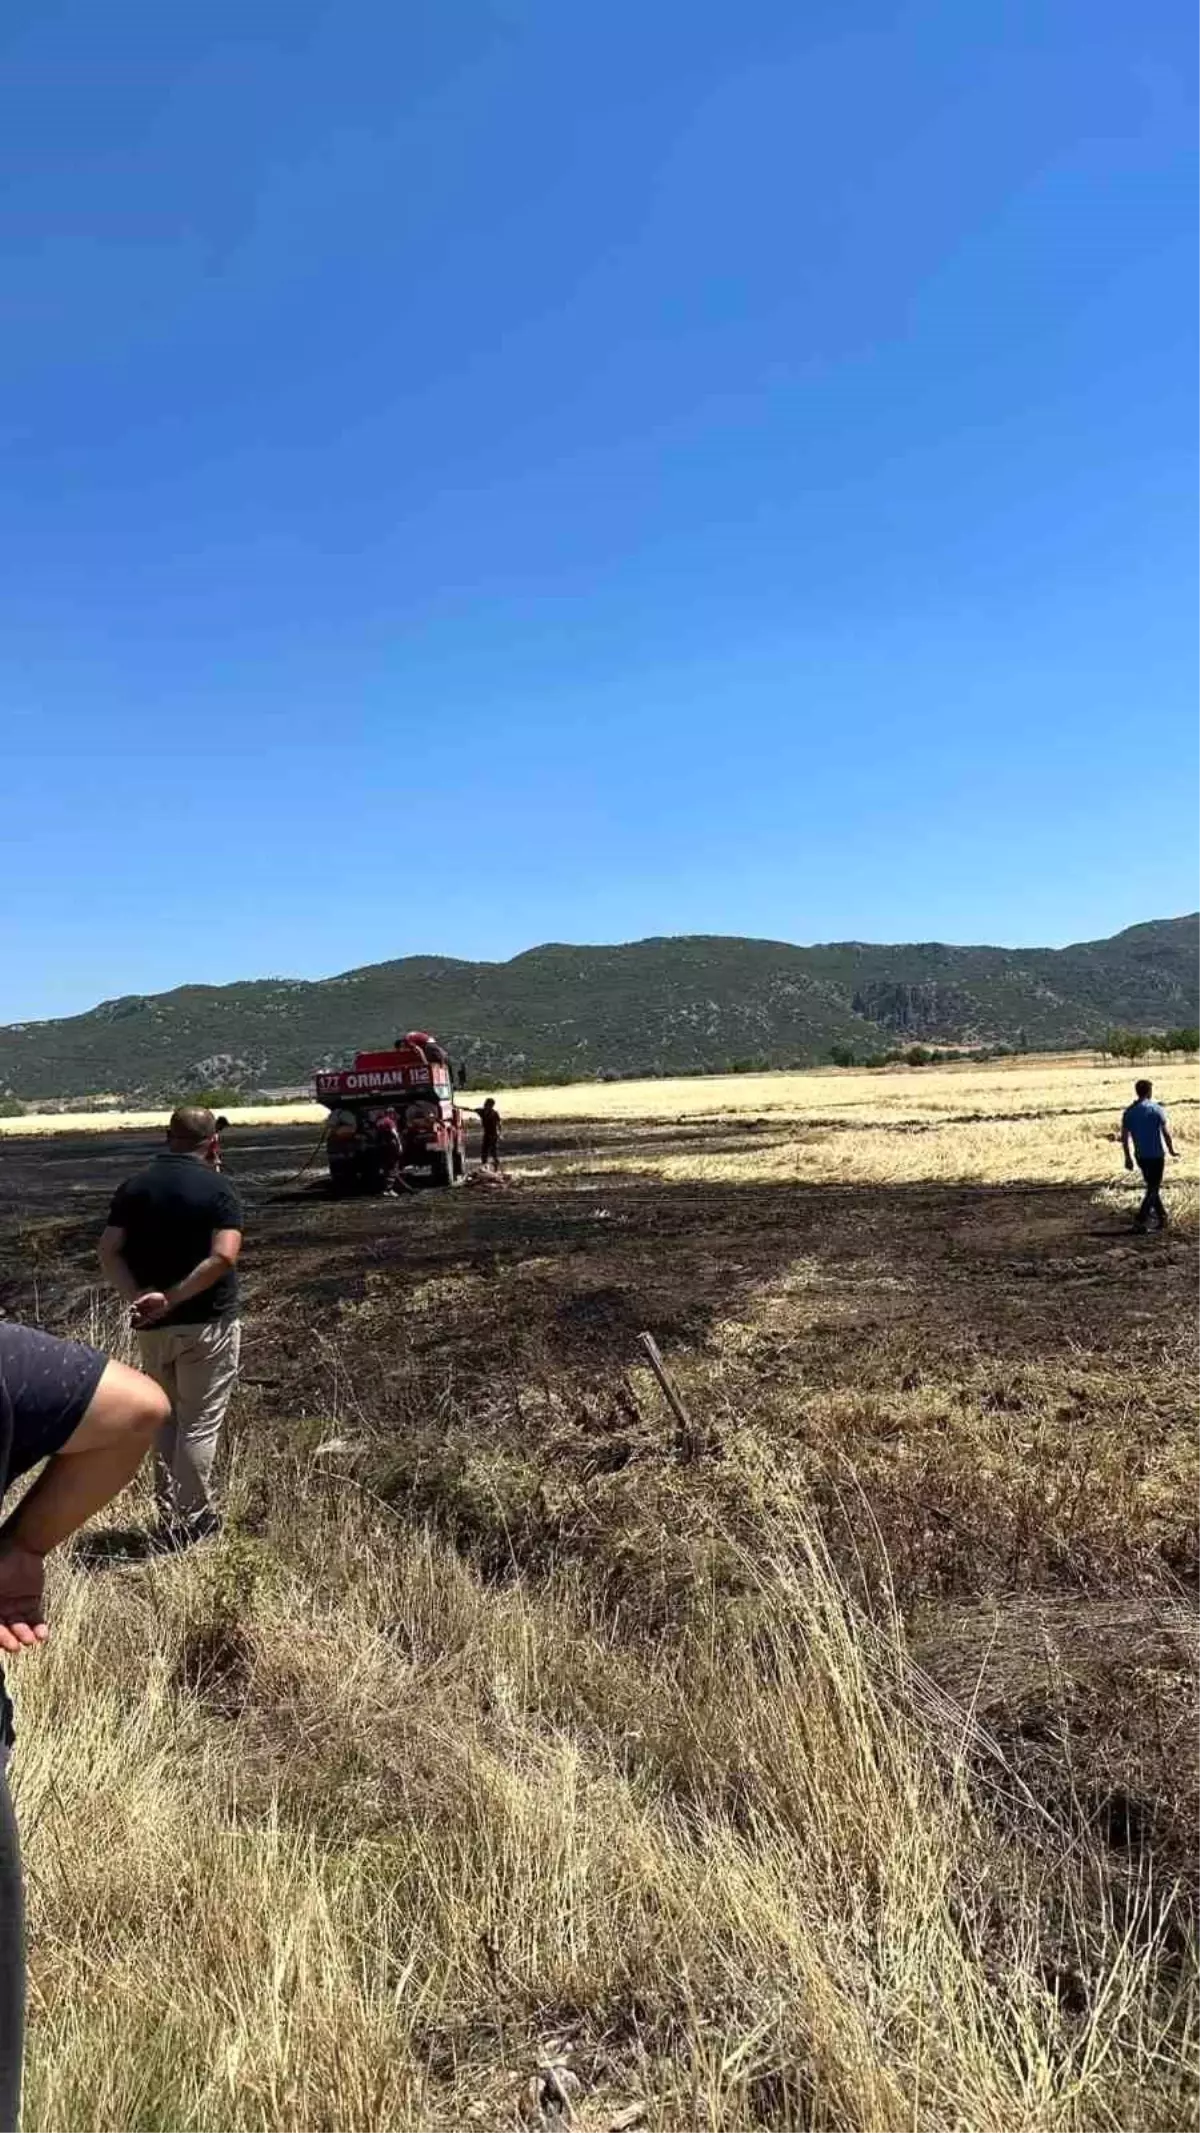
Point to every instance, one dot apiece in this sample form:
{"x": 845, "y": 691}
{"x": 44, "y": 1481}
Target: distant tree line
{"x": 916, "y": 1055}
{"x": 1134, "y": 1044}
{"x": 1127, "y": 1044}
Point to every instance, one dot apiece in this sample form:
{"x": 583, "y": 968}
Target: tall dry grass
{"x": 324, "y": 1830}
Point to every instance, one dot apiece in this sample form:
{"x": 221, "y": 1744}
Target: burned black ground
{"x": 986, "y": 1395}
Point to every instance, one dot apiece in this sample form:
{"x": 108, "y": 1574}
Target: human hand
{"x": 1129, "y": 1162}
{"x": 149, "y": 1308}
{"x": 22, "y": 1585}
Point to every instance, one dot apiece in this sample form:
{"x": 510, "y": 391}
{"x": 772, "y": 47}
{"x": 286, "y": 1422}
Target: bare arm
{"x": 112, "y": 1261}
{"x": 221, "y": 1260}
{"x": 1166, "y": 1134}
{"x": 1125, "y": 1145}
{"x": 99, "y": 1457}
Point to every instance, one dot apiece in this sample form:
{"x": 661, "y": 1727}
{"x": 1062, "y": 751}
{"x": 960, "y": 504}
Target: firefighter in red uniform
{"x": 389, "y": 1150}
{"x": 421, "y": 1041}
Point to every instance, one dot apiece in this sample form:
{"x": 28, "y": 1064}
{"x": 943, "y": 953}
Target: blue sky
{"x": 514, "y": 470}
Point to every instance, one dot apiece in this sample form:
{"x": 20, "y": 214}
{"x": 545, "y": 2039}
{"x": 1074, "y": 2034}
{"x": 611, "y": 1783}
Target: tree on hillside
{"x": 1129, "y": 1044}
{"x": 222, "y": 1096}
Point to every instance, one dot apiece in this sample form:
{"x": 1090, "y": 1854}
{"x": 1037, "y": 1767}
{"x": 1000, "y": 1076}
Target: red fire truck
{"x": 410, "y": 1086}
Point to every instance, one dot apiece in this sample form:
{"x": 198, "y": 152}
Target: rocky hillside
{"x": 666, "y": 1006}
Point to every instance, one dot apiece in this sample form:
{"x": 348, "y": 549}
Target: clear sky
{"x": 486, "y": 471}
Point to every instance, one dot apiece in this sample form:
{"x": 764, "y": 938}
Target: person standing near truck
{"x": 490, "y": 1120}
{"x": 421, "y": 1041}
{"x": 171, "y": 1249}
{"x": 92, "y": 1422}
{"x": 1144, "y": 1129}
{"x": 389, "y": 1150}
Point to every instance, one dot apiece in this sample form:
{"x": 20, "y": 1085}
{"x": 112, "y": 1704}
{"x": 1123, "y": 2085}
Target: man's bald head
{"x": 190, "y": 1128}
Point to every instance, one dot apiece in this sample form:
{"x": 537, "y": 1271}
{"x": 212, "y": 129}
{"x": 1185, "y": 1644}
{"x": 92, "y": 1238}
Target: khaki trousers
{"x": 197, "y": 1367}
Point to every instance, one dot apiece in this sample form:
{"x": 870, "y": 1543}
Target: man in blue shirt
{"x": 1144, "y": 1128}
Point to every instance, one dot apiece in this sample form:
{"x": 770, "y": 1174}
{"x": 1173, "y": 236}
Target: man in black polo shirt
{"x": 171, "y": 1248}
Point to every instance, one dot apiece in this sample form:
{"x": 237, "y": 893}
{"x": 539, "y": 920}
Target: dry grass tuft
{"x": 325, "y": 1830}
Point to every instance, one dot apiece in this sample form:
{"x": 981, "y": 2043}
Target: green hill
{"x": 658, "y": 1006}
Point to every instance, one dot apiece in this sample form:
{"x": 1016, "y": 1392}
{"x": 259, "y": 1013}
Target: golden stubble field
{"x": 1058, "y": 1122}
{"x": 1026, "y": 1119}
{"x": 827, "y": 1762}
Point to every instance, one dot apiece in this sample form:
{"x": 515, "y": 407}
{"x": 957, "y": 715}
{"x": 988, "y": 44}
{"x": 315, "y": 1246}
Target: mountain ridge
{"x": 665, "y": 1004}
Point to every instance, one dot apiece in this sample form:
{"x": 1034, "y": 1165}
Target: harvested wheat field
{"x": 38, "y": 1124}
{"x": 816, "y": 1754}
